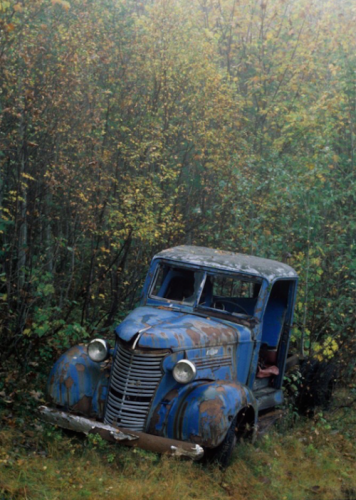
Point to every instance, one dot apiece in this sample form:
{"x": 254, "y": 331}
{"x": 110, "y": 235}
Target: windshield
{"x": 177, "y": 284}
{"x": 216, "y": 292}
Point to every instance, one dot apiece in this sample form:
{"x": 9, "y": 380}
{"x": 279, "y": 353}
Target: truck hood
{"x": 160, "y": 328}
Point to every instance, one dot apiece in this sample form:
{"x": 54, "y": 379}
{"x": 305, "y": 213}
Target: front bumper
{"x": 125, "y": 436}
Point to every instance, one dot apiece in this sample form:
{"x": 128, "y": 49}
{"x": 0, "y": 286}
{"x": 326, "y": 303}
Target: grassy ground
{"x": 309, "y": 460}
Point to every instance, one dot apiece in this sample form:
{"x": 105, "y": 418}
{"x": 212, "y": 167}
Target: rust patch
{"x": 209, "y": 330}
{"x": 74, "y": 351}
{"x": 154, "y": 422}
{"x": 194, "y": 335}
{"x": 69, "y": 382}
{"x": 83, "y": 406}
{"x": 156, "y": 417}
{"x": 171, "y": 395}
{"x": 212, "y": 408}
{"x": 213, "y": 420}
{"x": 196, "y": 440}
{"x": 79, "y": 367}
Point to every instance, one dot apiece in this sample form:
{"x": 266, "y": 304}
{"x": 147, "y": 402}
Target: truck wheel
{"x": 222, "y": 453}
{"x": 316, "y": 385}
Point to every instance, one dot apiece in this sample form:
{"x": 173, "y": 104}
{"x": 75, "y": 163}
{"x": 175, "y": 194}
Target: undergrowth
{"x": 297, "y": 460}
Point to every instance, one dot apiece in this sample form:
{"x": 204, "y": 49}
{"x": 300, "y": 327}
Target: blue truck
{"x": 197, "y": 365}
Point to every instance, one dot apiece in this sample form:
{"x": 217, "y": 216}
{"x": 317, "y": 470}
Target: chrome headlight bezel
{"x": 184, "y": 371}
{"x": 98, "y": 350}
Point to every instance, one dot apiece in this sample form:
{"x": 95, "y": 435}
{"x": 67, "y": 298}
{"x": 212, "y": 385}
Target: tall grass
{"x": 312, "y": 460}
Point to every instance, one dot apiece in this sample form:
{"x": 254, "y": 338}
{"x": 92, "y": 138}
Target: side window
{"x": 227, "y": 287}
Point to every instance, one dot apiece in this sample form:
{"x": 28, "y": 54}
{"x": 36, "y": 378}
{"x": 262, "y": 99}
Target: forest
{"x": 131, "y": 126}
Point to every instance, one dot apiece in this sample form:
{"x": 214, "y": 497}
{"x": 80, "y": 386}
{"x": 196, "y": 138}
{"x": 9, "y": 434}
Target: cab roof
{"x": 228, "y": 261}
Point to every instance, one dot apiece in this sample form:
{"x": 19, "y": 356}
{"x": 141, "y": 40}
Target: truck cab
{"x": 196, "y": 364}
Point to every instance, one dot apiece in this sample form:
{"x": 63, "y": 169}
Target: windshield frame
{"x": 194, "y": 306}
{"x": 197, "y": 288}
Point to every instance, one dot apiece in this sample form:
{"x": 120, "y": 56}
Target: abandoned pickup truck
{"x": 195, "y": 366}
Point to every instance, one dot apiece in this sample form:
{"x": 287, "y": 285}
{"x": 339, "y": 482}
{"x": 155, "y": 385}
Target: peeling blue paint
{"x": 78, "y": 384}
{"x": 224, "y": 346}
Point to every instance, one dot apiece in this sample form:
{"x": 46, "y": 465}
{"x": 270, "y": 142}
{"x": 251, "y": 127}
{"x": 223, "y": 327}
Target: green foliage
{"x": 129, "y": 127}
{"x": 96, "y": 441}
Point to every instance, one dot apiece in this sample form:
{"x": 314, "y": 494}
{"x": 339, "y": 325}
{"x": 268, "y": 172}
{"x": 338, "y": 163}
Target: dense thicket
{"x": 129, "y": 126}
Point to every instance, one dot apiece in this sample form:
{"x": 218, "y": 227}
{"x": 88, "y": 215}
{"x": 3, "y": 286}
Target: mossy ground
{"x": 310, "y": 459}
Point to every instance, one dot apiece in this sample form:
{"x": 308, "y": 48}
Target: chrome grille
{"x": 133, "y": 382}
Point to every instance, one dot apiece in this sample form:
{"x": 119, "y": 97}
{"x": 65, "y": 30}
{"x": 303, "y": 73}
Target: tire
{"x": 316, "y": 387}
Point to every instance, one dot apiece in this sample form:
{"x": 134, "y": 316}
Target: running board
{"x": 268, "y": 398}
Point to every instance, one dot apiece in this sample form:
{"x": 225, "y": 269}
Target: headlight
{"x": 98, "y": 350}
{"x": 184, "y": 371}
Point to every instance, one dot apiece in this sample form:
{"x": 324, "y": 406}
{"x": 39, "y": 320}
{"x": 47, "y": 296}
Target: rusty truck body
{"x": 194, "y": 366}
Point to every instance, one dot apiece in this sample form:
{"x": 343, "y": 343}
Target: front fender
{"x": 201, "y": 412}
{"x": 79, "y": 384}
